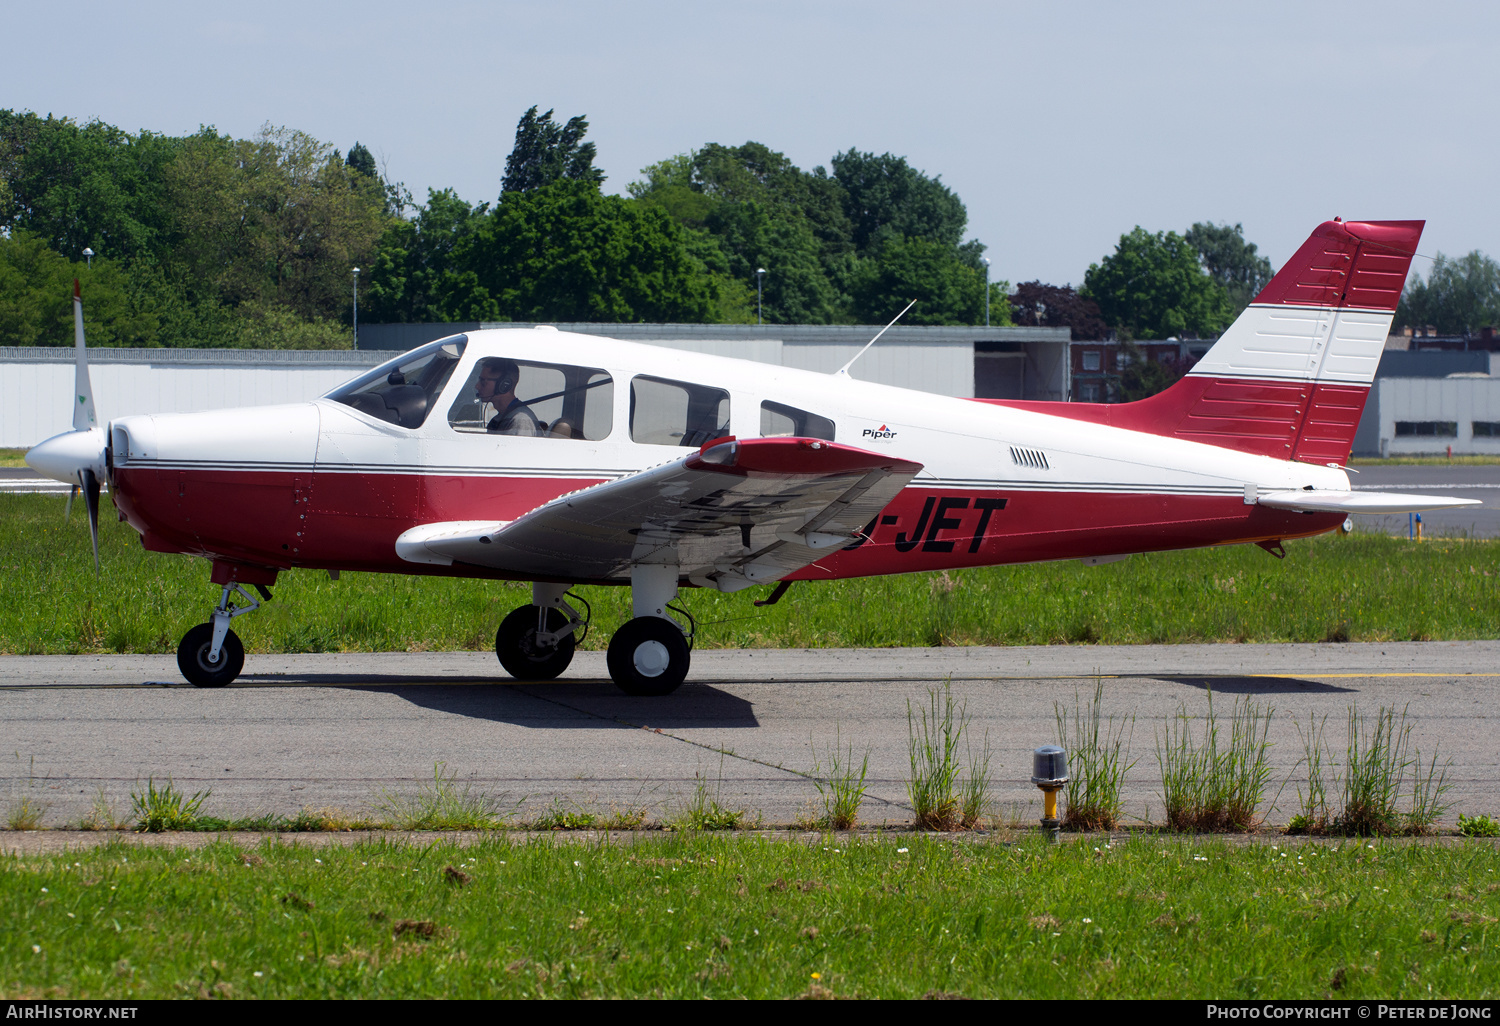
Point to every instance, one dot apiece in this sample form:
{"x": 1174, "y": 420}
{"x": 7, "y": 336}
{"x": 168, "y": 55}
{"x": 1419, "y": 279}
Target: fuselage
{"x": 331, "y": 484}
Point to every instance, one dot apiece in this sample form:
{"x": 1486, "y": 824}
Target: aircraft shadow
{"x": 1256, "y": 685}
{"x": 561, "y": 705}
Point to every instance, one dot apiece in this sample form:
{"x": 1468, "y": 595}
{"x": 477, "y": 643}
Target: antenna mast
{"x": 844, "y": 370}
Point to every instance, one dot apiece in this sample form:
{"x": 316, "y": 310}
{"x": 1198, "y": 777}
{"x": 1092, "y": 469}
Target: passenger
{"x": 497, "y": 387}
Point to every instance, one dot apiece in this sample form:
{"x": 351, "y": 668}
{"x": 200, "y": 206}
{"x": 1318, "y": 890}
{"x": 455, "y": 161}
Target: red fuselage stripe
{"x": 351, "y": 521}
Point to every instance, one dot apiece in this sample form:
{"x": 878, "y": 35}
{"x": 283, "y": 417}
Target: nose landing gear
{"x": 211, "y": 655}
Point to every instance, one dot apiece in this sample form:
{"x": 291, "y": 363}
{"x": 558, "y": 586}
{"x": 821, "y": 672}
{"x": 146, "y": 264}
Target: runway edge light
{"x": 1049, "y": 771}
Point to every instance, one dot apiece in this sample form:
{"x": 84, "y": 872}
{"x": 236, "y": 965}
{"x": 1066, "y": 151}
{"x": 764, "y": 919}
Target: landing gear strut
{"x": 211, "y": 654}
{"x": 536, "y": 642}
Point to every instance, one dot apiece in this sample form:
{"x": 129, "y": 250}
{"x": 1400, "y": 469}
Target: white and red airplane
{"x": 558, "y": 458}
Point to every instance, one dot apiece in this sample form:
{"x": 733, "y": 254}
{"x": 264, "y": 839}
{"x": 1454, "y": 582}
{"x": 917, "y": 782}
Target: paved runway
{"x": 1462, "y": 482}
{"x": 338, "y": 730}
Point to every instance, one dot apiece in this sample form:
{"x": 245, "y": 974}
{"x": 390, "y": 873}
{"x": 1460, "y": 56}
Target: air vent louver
{"x": 1033, "y": 458}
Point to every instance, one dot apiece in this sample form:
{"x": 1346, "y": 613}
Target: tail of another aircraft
{"x": 1290, "y": 376}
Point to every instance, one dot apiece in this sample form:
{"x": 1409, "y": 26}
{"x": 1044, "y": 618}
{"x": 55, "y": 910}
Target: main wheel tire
{"x": 522, "y": 657}
{"x": 192, "y": 657}
{"x": 648, "y": 656}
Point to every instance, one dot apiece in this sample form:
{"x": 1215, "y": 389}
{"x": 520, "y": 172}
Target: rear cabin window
{"x": 778, "y": 421}
{"x": 537, "y": 400}
{"x": 404, "y": 390}
{"x": 666, "y": 412}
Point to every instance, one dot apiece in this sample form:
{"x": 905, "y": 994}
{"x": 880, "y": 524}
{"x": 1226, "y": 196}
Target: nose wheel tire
{"x": 193, "y": 661}
{"x": 648, "y": 656}
{"x": 519, "y": 651}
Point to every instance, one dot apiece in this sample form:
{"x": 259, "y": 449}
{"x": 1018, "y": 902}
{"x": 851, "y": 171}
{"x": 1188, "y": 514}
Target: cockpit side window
{"x": 539, "y": 400}
{"x": 666, "y": 412}
{"x": 778, "y": 421}
{"x": 404, "y": 390}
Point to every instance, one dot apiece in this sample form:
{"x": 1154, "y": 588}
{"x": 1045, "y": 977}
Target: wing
{"x": 729, "y": 515}
{"x": 1359, "y": 502}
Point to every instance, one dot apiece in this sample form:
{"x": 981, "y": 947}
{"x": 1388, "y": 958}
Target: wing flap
{"x": 1359, "y": 502}
{"x": 729, "y": 515}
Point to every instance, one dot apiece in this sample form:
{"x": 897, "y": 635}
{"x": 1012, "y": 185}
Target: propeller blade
{"x": 68, "y": 509}
{"x": 83, "y": 391}
{"x": 91, "y": 496}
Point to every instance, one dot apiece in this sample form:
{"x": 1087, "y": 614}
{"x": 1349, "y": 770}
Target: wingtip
{"x": 77, "y": 292}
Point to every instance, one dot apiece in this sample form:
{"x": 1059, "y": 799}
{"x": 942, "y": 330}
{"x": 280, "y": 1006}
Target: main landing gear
{"x": 211, "y": 654}
{"x": 649, "y": 655}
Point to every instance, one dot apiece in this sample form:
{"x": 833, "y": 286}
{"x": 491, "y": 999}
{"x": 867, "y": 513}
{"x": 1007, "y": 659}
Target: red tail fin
{"x": 1290, "y": 376}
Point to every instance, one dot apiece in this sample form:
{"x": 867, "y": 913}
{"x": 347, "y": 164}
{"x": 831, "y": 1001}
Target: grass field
{"x": 12, "y": 457}
{"x": 1357, "y": 588}
{"x": 711, "y": 916}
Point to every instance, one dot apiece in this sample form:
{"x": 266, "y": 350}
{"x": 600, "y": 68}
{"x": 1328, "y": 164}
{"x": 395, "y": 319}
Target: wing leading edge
{"x": 730, "y": 515}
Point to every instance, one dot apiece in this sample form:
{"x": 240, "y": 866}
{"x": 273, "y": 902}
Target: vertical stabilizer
{"x": 1289, "y": 378}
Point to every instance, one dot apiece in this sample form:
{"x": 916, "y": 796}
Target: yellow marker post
{"x": 1049, "y": 771}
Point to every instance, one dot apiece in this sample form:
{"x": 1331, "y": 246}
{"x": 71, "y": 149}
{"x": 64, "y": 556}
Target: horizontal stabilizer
{"x": 1359, "y": 502}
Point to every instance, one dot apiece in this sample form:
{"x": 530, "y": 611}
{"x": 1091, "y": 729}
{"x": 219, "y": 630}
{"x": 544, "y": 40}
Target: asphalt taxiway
{"x": 750, "y": 726}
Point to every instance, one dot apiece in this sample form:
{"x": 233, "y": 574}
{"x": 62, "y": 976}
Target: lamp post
{"x": 88, "y": 254}
{"x": 356, "y": 308}
{"x": 986, "y": 291}
{"x": 760, "y": 274}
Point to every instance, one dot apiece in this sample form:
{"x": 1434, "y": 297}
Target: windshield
{"x": 402, "y": 391}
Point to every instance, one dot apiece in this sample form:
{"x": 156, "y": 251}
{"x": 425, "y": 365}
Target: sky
{"x": 1060, "y": 125}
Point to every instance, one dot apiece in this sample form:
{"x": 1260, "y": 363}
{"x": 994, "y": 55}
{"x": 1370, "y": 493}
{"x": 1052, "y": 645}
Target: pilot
{"x": 497, "y": 386}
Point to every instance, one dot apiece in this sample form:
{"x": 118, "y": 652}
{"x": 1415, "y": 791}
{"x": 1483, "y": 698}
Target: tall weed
{"x": 1380, "y": 762}
{"x": 974, "y": 792}
{"x": 1098, "y": 759}
{"x": 704, "y": 811}
{"x": 932, "y": 744}
{"x": 443, "y": 805}
{"x": 938, "y": 798}
{"x": 842, "y": 790}
{"x": 165, "y": 808}
{"x": 1210, "y": 783}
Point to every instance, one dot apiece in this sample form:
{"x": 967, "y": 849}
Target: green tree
{"x": 1459, "y": 297}
{"x": 885, "y": 196}
{"x": 83, "y": 186}
{"x": 36, "y": 298}
{"x": 414, "y": 259}
{"x": 277, "y": 219}
{"x": 1230, "y": 261}
{"x": 796, "y": 289}
{"x": 361, "y": 161}
{"x": 546, "y": 152}
{"x": 1153, "y": 286}
{"x": 947, "y": 290}
{"x": 566, "y": 252}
